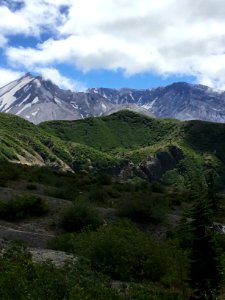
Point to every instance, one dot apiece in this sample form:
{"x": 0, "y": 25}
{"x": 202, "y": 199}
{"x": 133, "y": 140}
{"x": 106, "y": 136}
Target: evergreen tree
{"x": 214, "y": 201}
{"x": 205, "y": 271}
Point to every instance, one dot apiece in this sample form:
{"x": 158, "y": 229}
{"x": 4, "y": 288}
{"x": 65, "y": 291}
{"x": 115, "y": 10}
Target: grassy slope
{"x": 134, "y": 137}
{"x": 120, "y": 132}
{"x": 26, "y": 143}
{"x": 106, "y": 142}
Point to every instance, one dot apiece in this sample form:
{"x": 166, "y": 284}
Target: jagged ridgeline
{"x": 38, "y": 100}
{"x": 126, "y": 144}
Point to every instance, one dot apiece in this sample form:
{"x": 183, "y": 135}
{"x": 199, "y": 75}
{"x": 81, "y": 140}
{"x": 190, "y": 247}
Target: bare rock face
{"x": 58, "y": 258}
{"x": 38, "y": 100}
{"x": 155, "y": 166}
{"x": 180, "y": 100}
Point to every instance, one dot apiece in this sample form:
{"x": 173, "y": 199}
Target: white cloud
{"x": 60, "y": 80}
{"x": 164, "y": 36}
{"x": 7, "y": 75}
{"x": 3, "y": 41}
{"x": 32, "y": 18}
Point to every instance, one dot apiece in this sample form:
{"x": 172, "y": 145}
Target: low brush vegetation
{"x": 74, "y": 281}
{"x": 122, "y": 234}
{"x": 132, "y": 239}
{"x": 109, "y": 144}
{"x": 144, "y": 207}
{"x": 131, "y": 137}
{"x": 23, "y": 207}
{"x": 79, "y": 216}
{"x": 122, "y": 252}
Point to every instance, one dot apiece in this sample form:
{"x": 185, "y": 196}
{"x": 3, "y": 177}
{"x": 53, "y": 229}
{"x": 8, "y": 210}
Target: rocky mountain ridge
{"x": 38, "y": 100}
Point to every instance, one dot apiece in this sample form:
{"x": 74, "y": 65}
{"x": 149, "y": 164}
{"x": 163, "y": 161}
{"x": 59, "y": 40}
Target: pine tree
{"x": 214, "y": 201}
{"x": 205, "y": 271}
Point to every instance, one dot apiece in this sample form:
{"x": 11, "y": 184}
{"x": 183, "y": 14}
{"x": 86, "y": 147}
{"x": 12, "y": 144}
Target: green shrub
{"x": 74, "y": 281}
{"x": 121, "y": 251}
{"x": 157, "y": 187}
{"x": 99, "y": 196}
{"x": 31, "y": 186}
{"x": 80, "y": 215}
{"x": 142, "y": 207}
{"x": 151, "y": 292}
{"x": 23, "y": 207}
{"x": 104, "y": 179}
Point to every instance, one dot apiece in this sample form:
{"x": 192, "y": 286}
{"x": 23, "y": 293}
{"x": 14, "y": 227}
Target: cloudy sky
{"x": 113, "y": 43}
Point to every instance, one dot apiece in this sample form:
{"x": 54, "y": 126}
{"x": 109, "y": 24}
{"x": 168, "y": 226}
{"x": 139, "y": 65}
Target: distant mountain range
{"x": 37, "y": 100}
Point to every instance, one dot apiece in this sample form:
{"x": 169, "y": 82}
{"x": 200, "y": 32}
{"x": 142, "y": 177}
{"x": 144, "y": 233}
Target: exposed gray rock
{"x": 180, "y": 100}
{"x": 39, "y": 100}
{"x": 58, "y": 258}
{"x": 154, "y": 166}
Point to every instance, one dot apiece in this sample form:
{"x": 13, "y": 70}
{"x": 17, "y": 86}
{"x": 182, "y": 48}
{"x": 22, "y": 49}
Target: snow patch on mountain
{"x": 40, "y": 100}
{"x": 36, "y": 100}
{"x": 25, "y": 99}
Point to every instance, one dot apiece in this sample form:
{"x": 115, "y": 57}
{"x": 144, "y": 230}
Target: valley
{"x": 112, "y": 150}
{"x": 109, "y": 199}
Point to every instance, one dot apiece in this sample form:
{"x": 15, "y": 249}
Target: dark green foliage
{"x": 205, "y": 271}
{"x": 107, "y": 144}
{"x": 157, "y": 187}
{"x": 32, "y": 144}
{"x": 23, "y": 207}
{"x": 23, "y": 280}
{"x": 118, "y": 250}
{"x": 143, "y": 206}
{"x": 211, "y": 192}
{"x": 121, "y": 251}
{"x": 98, "y": 196}
{"x": 134, "y": 137}
{"x": 80, "y": 215}
{"x": 31, "y": 186}
{"x": 118, "y": 132}
{"x": 104, "y": 179}
{"x": 151, "y": 292}
{"x": 206, "y": 136}
{"x": 185, "y": 234}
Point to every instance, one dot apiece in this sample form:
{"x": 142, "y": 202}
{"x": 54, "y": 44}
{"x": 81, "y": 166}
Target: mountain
{"x": 182, "y": 101}
{"x": 38, "y": 100}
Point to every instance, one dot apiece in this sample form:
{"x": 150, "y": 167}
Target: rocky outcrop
{"x": 155, "y": 166}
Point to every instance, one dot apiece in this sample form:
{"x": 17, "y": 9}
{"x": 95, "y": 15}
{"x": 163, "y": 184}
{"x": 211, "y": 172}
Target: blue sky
{"x": 117, "y": 79}
{"x": 114, "y": 43}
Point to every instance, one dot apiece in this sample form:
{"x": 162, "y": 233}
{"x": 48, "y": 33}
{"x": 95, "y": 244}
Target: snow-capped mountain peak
{"x": 8, "y": 92}
{"x": 39, "y": 100}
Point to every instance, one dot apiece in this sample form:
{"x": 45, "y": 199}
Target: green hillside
{"x": 23, "y": 142}
{"x": 117, "y": 133}
{"x": 134, "y": 137}
{"x": 102, "y": 232}
{"x": 111, "y": 143}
